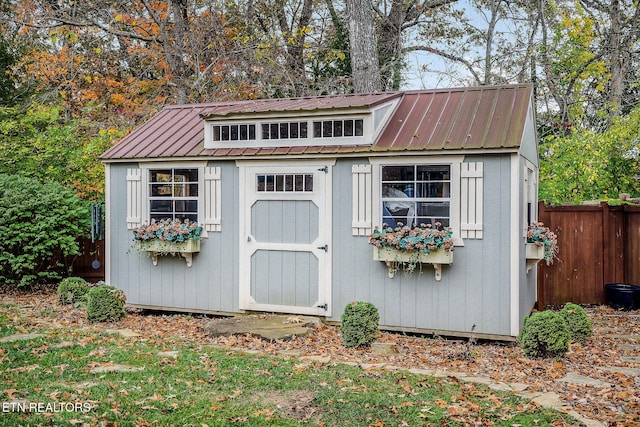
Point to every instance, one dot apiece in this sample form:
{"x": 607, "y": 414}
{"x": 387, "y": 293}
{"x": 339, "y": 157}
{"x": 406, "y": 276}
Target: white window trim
{"x": 145, "y": 167}
{"x": 366, "y": 138}
{"x": 529, "y": 194}
{"x": 452, "y": 161}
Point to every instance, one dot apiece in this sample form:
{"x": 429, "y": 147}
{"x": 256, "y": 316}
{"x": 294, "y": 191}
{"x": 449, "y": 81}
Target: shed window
{"x": 338, "y": 128}
{"x": 173, "y": 194}
{"x": 284, "y": 130}
{"x": 416, "y": 194}
{"x": 234, "y": 132}
{"x": 284, "y": 183}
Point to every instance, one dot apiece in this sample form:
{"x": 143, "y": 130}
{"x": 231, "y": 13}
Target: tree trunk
{"x": 363, "y": 47}
{"x": 616, "y": 87}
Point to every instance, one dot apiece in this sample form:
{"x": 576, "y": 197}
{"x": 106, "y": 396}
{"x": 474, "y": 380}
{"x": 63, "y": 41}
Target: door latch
{"x": 324, "y": 248}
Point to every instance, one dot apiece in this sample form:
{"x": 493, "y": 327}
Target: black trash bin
{"x": 622, "y": 296}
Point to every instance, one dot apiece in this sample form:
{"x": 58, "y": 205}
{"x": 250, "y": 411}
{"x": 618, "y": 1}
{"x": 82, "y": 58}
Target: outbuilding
{"x": 288, "y": 191}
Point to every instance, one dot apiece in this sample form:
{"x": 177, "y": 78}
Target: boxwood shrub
{"x": 72, "y": 290}
{"x": 359, "y": 324}
{"x": 577, "y": 322}
{"x": 105, "y": 304}
{"x": 544, "y": 334}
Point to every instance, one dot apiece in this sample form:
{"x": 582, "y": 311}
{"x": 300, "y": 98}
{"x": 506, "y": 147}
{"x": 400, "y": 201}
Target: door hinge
{"x": 324, "y": 248}
{"x": 324, "y": 169}
{"x": 325, "y": 307}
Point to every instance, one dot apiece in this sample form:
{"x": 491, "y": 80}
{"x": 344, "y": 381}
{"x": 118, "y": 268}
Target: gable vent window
{"x": 285, "y": 130}
{"x": 235, "y": 132}
{"x": 338, "y": 128}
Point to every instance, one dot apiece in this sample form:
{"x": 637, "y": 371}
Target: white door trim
{"x": 248, "y": 245}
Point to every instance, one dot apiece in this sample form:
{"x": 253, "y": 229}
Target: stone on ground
{"x": 21, "y": 337}
{"x": 268, "y": 327}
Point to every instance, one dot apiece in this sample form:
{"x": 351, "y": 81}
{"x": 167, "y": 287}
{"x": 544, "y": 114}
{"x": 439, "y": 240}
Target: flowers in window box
{"x": 168, "y": 237}
{"x": 542, "y": 236}
{"x": 424, "y": 238}
{"x": 168, "y": 230}
{"x": 407, "y": 247}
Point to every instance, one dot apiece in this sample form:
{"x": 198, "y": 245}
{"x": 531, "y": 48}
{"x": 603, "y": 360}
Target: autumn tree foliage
{"x": 106, "y": 66}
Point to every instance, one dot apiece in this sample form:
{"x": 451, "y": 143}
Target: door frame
{"x": 247, "y": 170}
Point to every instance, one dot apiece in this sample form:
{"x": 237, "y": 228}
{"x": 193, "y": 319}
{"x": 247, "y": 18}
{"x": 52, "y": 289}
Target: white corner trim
{"x": 107, "y": 224}
{"x": 514, "y": 242}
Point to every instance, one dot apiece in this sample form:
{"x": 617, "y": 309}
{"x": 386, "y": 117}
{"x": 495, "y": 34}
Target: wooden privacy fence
{"x": 598, "y": 245}
{"x": 90, "y": 263}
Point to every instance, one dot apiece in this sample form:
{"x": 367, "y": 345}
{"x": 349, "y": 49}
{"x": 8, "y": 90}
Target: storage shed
{"x": 288, "y": 190}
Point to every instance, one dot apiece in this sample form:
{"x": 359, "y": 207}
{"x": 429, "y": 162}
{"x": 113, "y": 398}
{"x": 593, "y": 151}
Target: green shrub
{"x": 577, "y": 322}
{"x": 39, "y": 226}
{"x": 544, "y": 334}
{"x": 105, "y": 304}
{"x": 72, "y": 289}
{"x": 359, "y": 324}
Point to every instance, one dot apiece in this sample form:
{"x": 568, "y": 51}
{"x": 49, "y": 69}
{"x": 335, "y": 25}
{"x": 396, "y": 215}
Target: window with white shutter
{"x": 471, "y": 196}
{"x": 426, "y": 190}
{"x": 361, "y": 210}
{"x": 212, "y": 199}
{"x": 174, "y": 190}
{"x": 134, "y": 197}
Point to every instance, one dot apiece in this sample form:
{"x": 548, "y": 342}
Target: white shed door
{"x": 285, "y": 239}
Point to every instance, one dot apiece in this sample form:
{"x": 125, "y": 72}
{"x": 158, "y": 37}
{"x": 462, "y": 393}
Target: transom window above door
{"x": 416, "y": 194}
{"x": 284, "y": 183}
{"x": 173, "y": 194}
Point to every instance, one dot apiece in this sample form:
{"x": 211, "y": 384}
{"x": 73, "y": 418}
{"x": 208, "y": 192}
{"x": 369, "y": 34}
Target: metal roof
{"x": 485, "y": 117}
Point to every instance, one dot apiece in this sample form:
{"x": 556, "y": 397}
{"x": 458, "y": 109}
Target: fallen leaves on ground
{"x": 616, "y": 405}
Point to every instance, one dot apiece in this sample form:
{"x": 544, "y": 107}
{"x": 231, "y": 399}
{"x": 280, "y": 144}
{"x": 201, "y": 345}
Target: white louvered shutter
{"x": 134, "y": 198}
{"x": 471, "y": 196}
{"x": 212, "y": 199}
{"x": 361, "y": 193}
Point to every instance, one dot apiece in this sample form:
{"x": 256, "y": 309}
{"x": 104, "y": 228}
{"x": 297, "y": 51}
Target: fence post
{"x": 543, "y": 217}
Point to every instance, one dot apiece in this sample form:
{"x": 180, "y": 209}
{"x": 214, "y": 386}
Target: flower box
{"x": 534, "y": 254}
{"x": 157, "y": 247}
{"x": 393, "y": 257}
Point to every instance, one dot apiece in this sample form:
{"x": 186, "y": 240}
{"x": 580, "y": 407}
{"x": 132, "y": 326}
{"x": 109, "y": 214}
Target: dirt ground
{"x": 615, "y": 343}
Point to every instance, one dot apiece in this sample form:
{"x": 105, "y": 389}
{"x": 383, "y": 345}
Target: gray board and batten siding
{"x": 478, "y": 291}
{"x": 473, "y": 291}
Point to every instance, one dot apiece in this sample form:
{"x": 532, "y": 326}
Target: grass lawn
{"x": 66, "y": 378}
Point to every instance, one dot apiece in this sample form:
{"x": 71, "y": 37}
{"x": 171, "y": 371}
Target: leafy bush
{"x": 105, "y": 304}
{"x": 39, "y": 226}
{"x": 359, "y": 324}
{"x": 72, "y": 289}
{"x": 544, "y": 334}
{"x": 577, "y": 322}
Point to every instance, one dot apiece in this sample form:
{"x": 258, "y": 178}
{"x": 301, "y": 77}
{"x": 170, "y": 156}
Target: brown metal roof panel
{"x": 481, "y": 125}
{"x": 190, "y": 138}
{"x": 507, "y": 120}
{"x": 521, "y": 107}
{"x": 150, "y": 141}
{"x": 180, "y": 133}
{"x": 121, "y": 149}
{"x": 330, "y": 102}
{"x": 468, "y": 109}
{"x": 145, "y": 141}
{"x": 497, "y": 120}
{"x": 434, "y": 130}
{"x": 391, "y": 134}
{"x": 410, "y": 135}
{"x": 425, "y": 118}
